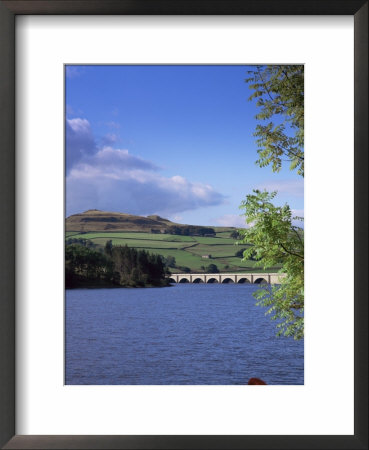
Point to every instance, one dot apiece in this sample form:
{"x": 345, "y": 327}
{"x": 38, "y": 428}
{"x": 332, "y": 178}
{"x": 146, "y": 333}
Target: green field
{"x": 225, "y": 250}
{"x": 71, "y": 233}
{"x": 187, "y": 250}
{"x": 138, "y": 236}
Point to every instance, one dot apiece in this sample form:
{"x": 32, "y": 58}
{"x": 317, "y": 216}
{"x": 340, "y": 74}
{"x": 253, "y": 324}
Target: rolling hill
{"x": 95, "y": 220}
{"x": 191, "y": 252}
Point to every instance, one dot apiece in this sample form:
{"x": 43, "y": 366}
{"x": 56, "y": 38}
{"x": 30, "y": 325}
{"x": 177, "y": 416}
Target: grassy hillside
{"x": 95, "y": 220}
{"x": 187, "y": 250}
{"x": 151, "y": 233}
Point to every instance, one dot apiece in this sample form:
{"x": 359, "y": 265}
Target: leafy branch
{"x": 275, "y": 241}
{"x": 279, "y": 91}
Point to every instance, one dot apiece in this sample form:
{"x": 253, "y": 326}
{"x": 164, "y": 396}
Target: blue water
{"x": 184, "y": 334}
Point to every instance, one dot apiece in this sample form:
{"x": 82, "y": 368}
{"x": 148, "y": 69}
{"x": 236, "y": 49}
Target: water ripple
{"x": 187, "y": 334}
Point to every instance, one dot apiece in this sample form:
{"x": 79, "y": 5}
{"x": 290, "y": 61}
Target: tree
{"x": 239, "y": 253}
{"x": 123, "y": 266}
{"x": 82, "y": 263}
{"x": 212, "y": 268}
{"x": 235, "y": 234}
{"x": 276, "y": 240}
{"x": 108, "y": 247}
{"x": 170, "y": 261}
{"x": 279, "y": 90}
{"x": 191, "y": 230}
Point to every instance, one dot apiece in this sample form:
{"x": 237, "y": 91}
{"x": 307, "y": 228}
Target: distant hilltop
{"x": 96, "y": 220}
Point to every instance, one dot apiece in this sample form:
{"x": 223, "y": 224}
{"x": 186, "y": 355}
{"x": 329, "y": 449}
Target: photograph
{"x": 184, "y": 224}
{"x": 163, "y": 146}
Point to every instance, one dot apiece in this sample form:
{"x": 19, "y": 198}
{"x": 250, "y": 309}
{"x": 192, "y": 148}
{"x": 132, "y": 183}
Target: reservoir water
{"x": 186, "y": 334}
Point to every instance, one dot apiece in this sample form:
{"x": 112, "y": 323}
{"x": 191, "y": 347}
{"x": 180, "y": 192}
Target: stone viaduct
{"x": 270, "y": 278}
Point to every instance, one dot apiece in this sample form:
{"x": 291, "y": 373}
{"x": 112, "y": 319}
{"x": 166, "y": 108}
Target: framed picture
{"x": 157, "y": 43}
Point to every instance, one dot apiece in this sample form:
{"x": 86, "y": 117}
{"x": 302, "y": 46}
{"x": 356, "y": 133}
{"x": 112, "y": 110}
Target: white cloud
{"x": 133, "y": 191}
{"x": 177, "y": 218}
{"x": 115, "y": 180}
{"x": 81, "y": 126}
{"x": 291, "y": 187}
{"x": 109, "y": 139}
{"x": 298, "y": 212}
{"x": 80, "y": 142}
{"x": 231, "y": 220}
{"x": 112, "y": 163}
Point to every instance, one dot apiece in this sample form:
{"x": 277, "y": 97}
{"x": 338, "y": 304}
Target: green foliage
{"x": 239, "y": 253}
{"x": 170, "y": 261}
{"x": 122, "y": 266}
{"x": 212, "y": 268}
{"x": 279, "y": 90}
{"x": 191, "y": 230}
{"x": 276, "y": 241}
{"x": 109, "y": 248}
{"x": 82, "y": 263}
{"x": 279, "y": 93}
{"x": 80, "y": 241}
{"x": 252, "y": 256}
{"x": 138, "y": 267}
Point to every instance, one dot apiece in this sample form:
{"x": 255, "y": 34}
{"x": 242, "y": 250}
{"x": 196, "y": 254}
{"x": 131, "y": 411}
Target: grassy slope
{"x": 187, "y": 250}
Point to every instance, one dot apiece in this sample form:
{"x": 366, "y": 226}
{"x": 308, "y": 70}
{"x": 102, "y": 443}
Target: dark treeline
{"x": 116, "y": 266}
{"x": 80, "y": 241}
{"x": 191, "y": 230}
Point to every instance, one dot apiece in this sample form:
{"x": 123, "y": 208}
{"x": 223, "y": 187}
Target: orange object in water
{"x": 255, "y": 381}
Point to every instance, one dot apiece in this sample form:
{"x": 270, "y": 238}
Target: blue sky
{"x": 170, "y": 140}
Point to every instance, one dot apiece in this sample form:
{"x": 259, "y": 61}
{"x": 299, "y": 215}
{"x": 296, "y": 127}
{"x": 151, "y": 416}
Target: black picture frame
{"x": 8, "y": 12}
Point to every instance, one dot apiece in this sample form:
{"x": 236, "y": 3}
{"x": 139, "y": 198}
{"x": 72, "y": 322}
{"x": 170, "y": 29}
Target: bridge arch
{"x": 183, "y": 280}
{"x": 243, "y": 280}
{"x": 212, "y": 280}
{"x": 260, "y": 281}
{"x": 227, "y": 280}
{"x": 198, "y": 280}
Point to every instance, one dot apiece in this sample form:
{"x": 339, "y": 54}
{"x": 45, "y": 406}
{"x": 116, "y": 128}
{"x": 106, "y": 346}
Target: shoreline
{"x": 112, "y": 286}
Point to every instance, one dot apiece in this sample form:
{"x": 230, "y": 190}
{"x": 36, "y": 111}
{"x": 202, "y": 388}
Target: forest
{"x": 118, "y": 266}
